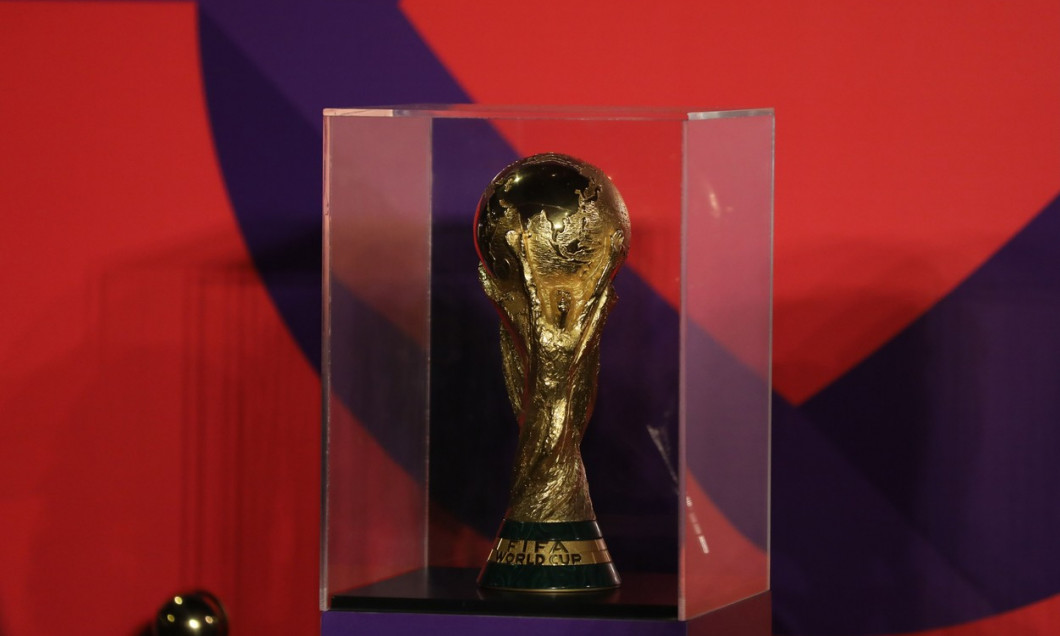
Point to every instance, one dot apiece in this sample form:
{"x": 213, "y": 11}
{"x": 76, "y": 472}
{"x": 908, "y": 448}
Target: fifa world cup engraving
{"x": 551, "y": 232}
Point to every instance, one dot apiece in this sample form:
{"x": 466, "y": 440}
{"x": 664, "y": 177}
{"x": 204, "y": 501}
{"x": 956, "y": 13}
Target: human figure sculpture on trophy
{"x": 551, "y": 232}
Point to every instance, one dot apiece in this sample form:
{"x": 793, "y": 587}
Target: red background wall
{"x": 158, "y": 420}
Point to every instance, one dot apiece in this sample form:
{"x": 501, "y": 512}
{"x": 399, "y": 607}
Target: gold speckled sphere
{"x": 581, "y": 205}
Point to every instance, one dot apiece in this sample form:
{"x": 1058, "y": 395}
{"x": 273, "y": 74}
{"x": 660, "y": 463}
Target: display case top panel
{"x": 483, "y": 111}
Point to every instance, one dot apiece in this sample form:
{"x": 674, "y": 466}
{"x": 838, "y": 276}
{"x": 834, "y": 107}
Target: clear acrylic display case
{"x": 419, "y": 434}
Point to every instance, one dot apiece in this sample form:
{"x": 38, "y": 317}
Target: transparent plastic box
{"x": 419, "y": 433}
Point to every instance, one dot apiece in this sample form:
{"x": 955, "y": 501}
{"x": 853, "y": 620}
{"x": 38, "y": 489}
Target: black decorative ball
{"x": 197, "y": 613}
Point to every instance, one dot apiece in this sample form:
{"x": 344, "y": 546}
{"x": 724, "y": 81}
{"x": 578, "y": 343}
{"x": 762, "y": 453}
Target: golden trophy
{"x": 551, "y": 232}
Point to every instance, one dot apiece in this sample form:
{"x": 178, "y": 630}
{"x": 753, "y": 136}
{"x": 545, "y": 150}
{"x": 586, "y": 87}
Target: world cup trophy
{"x": 551, "y": 232}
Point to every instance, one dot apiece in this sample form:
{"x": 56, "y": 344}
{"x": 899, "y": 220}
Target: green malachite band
{"x": 592, "y": 570}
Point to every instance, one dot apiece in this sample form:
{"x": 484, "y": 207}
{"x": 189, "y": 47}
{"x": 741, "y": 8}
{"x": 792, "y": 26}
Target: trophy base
{"x": 551, "y": 557}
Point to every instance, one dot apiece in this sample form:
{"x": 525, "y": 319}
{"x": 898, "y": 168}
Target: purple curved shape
{"x": 269, "y": 71}
{"x": 921, "y": 488}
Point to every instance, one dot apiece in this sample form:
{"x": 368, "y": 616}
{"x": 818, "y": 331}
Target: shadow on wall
{"x": 874, "y": 314}
{"x": 172, "y": 443}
